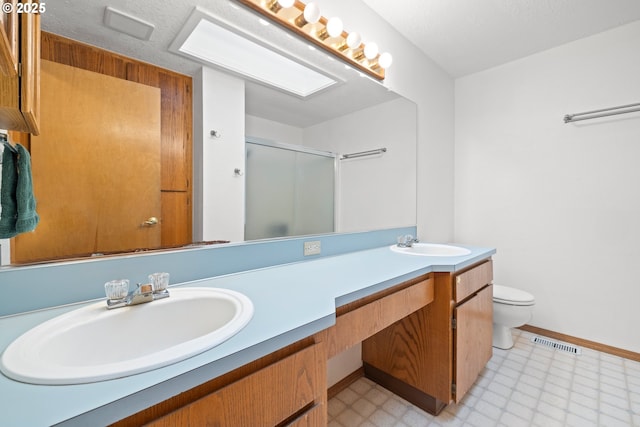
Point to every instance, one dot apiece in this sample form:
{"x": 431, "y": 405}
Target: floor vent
{"x": 557, "y": 345}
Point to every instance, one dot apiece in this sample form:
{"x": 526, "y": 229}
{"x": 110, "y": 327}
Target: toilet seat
{"x": 512, "y": 296}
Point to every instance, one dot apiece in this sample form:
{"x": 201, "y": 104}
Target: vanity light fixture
{"x": 305, "y": 20}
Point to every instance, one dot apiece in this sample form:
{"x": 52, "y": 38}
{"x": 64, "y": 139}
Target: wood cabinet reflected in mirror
{"x": 166, "y": 191}
{"x": 19, "y": 70}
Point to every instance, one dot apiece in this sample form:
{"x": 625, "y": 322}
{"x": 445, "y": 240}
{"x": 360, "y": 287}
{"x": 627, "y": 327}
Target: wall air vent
{"x": 568, "y": 348}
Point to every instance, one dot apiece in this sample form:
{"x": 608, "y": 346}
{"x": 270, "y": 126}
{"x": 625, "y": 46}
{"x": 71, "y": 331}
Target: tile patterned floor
{"x": 529, "y": 385}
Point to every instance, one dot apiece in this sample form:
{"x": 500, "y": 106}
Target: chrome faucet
{"x": 144, "y": 293}
{"x": 406, "y": 241}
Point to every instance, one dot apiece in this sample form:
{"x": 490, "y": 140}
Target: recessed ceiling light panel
{"x": 215, "y": 43}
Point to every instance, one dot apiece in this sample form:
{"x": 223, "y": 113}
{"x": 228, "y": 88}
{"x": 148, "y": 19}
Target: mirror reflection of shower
{"x": 290, "y": 190}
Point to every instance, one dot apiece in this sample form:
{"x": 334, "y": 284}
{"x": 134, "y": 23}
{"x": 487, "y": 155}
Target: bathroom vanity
{"x": 426, "y": 339}
{"x": 435, "y": 355}
{"x": 273, "y": 372}
{"x": 288, "y": 387}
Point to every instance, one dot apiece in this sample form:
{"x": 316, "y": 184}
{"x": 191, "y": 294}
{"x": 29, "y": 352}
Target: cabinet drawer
{"x": 359, "y": 324}
{"x": 469, "y": 282}
{"x": 315, "y": 417}
{"x": 262, "y": 399}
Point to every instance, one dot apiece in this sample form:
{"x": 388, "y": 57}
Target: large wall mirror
{"x": 356, "y": 114}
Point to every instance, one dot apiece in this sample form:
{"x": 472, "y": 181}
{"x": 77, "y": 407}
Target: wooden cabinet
{"x": 361, "y": 319}
{"x": 20, "y": 69}
{"x": 9, "y": 42}
{"x": 288, "y": 387}
{"x": 472, "y": 326}
{"x": 433, "y": 356}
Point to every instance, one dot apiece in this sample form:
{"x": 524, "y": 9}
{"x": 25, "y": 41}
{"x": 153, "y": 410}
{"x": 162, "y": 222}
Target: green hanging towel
{"x": 16, "y": 194}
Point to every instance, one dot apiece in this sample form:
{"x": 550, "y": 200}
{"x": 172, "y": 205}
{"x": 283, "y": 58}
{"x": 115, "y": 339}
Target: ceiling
{"x": 466, "y": 36}
{"x": 462, "y": 36}
{"x": 82, "y": 20}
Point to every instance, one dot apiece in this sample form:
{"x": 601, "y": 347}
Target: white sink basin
{"x": 432, "y": 249}
{"x": 94, "y": 344}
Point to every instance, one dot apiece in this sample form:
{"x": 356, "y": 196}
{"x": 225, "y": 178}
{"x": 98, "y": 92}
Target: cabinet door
{"x": 9, "y": 44}
{"x": 20, "y": 88}
{"x": 473, "y": 339}
{"x": 30, "y": 75}
{"x": 268, "y": 397}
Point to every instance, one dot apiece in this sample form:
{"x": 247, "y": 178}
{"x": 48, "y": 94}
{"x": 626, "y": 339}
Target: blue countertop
{"x": 291, "y": 302}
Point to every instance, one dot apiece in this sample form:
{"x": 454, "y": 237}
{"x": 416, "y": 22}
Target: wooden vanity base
{"x": 433, "y": 356}
{"x": 417, "y": 397}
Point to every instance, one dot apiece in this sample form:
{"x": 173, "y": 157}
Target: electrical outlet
{"x": 312, "y": 248}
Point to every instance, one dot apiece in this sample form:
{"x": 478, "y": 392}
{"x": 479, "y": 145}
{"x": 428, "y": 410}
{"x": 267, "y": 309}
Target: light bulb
{"x": 385, "y": 60}
{"x": 334, "y": 27}
{"x": 276, "y": 5}
{"x": 286, "y": 3}
{"x": 370, "y": 50}
{"x": 312, "y": 13}
{"x": 353, "y": 40}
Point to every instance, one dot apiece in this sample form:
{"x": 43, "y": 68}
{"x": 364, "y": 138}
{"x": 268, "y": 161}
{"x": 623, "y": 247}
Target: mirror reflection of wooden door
{"x": 96, "y": 166}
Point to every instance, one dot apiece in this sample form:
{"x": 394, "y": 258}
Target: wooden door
{"x": 96, "y": 166}
{"x": 473, "y": 339}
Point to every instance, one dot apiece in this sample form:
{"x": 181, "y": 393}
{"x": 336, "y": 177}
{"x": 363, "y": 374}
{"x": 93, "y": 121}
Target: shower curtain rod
{"x": 630, "y": 108}
{"x": 363, "y": 153}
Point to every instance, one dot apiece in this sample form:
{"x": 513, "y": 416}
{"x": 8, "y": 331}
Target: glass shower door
{"x": 289, "y": 190}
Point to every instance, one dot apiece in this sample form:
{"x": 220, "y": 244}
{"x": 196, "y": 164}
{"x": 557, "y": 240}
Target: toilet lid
{"x": 513, "y": 296}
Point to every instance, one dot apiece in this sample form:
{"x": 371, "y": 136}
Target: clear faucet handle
{"x": 159, "y": 281}
{"x": 116, "y": 289}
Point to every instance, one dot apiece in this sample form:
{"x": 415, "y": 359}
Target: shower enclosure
{"x": 290, "y": 190}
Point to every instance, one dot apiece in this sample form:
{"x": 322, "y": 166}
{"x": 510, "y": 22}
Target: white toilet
{"x": 511, "y": 308}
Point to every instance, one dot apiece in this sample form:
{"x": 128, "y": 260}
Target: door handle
{"x": 150, "y": 222}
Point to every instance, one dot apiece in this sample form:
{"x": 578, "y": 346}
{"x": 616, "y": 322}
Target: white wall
{"x": 376, "y": 191}
{"x": 560, "y": 202}
{"x": 273, "y": 131}
{"x": 218, "y": 191}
